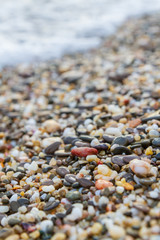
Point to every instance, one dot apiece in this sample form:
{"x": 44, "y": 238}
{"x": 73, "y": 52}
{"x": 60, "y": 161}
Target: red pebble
{"x": 84, "y": 151}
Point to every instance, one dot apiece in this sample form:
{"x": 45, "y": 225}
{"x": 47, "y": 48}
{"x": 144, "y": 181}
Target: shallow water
{"x": 32, "y": 30}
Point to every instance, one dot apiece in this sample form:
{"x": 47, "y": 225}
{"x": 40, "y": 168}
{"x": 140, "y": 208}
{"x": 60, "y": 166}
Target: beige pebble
{"x": 34, "y": 234}
{"x": 48, "y": 141}
{"x": 24, "y": 236}
{"x": 51, "y": 126}
{"x": 13, "y": 237}
{"x": 96, "y": 229}
{"x": 116, "y": 232}
{"x": 59, "y": 236}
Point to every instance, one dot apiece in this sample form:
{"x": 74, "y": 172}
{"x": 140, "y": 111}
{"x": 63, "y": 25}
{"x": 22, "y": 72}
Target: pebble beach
{"x": 80, "y": 142}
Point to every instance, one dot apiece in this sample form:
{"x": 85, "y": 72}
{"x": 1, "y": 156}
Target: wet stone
{"x": 128, "y": 158}
{"x": 52, "y": 148}
{"x": 158, "y": 156}
{"x": 69, "y": 140}
{"x": 120, "y": 150}
{"x": 71, "y": 178}
{"x": 121, "y": 141}
{"x": 156, "y": 142}
{"x": 102, "y": 146}
{"x": 23, "y": 201}
{"x": 108, "y": 139}
{"x": 118, "y": 160}
{"x": 13, "y": 221}
{"x": 86, "y": 138}
{"x": 73, "y": 195}
{"x": 14, "y": 206}
{"x": 51, "y": 205}
{"x": 85, "y": 182}
{"x": 62, "y": 171}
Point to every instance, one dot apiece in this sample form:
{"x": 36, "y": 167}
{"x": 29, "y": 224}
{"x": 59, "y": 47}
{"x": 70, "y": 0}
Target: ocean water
{"x": 37, "y": 30}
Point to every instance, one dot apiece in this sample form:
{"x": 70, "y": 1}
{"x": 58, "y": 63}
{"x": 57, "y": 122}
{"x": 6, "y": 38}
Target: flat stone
{"x": 86, "y": 138}
{"x": 69, "y": 140}
{"x": 71, "y": 178}
{"x": 121, "y": 141}
{"x": 158, "y": 156}
{"x": 62, "y": 171}
{"x": 128, "y": 158}
{"x": 5, "y": 232}
{"x": 142, "y": 208}
{"x": 51, "y": 205}
{"x": 156, "y": 142}
{"x": 108, "y": 138}
{"x": 23, "y": 201}
{"x": 118, "y": 160}
{"x": 13, "y": 221}
{"x": 120, "y": 150}
{"x": 52, "y": 148}
{"x": 85, "y": 182}
{"x": 101, "y": 146}
{"x": 61, "y": 153}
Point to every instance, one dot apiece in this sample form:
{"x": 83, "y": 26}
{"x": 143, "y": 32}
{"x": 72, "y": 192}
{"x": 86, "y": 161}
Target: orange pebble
{"x": 128, "y": 186}
{"x": 134, "y": 123}
{"x": 100, "y": 184}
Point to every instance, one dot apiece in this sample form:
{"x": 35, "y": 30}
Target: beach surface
{"x": 80, "y": 142}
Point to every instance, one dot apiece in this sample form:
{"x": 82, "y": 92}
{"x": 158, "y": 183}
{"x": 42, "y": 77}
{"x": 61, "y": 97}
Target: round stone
{"x": 73, "y": 195}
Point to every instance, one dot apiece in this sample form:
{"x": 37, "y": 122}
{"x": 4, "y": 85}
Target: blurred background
{"x": 38, "y": 30}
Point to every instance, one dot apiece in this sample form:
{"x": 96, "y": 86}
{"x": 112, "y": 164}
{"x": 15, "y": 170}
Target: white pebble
{"x": 120, "y": 189}
{"x": 113, "y": 131}
{"x": 46, "y": 225}
{"x": 4, "y": 209}
{"x": 48, "y": 188}
{"x": 14, "y": 198}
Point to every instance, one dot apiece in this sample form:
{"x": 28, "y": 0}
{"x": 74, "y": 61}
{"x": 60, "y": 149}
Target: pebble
{"x": 156, "y": 142}
{"x": 140, "y": 167}
{"x": 52, "y": 148}
{"x": 113, "y": 132}
{"x": 14, "y": 206}
{"x": 73, "y": 195}
{"x": 101, "y": 184}
{"x": 153, "y": 134}
{"x": 4, "y": 209}
{"x": 71, "y": 178}
{"x": 46, "y": 142}
{"x": 51, "y": 205}
{"x": 121, "y": 141}
{"x": 116, "y": 232}
{"x": 96, "y": 229}
{"x": 13, "y": 237}
{"x": 121, "y": 149}
{"x": 84, "y": 151}
{"x": 80, "y": 160}
{"x": 51, "y": 126}
{"x": 59, "y": 236}
{"x": 62, "y": 171}
{"x": 85, "y": 182}
{"x": 48, "y": 188}
{"x": 23, "y": 201}
{"x": 46, "y": 226}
